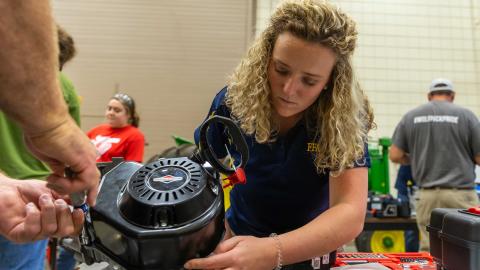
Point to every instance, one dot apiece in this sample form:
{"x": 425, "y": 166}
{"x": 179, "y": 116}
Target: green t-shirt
{"x": 71, "y": 97}
{"x": 15, "y": 158}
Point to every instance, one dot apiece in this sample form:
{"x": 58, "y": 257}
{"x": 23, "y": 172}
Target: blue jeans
{"x": 29, "y": 256}
{"x": 66, "y": 259}
{"x": 412, "y": 242}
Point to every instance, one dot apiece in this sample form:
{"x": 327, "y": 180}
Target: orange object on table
{"x": 394, "y": 261}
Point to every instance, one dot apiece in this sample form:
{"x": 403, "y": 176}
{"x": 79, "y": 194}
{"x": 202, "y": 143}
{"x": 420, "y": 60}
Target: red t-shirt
{"x": 127, "y": 142}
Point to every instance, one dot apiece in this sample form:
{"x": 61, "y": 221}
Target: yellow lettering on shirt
{"x": 312, "y": 147}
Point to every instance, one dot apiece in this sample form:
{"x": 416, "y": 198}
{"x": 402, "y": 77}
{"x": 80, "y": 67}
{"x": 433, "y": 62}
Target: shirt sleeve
{"x": 365, "y": 160}
{"x": 135, "y": 148}
{"x": 71, "y": 98}
{"x": 475, "y": 135}
{"x": 399, "y": 138}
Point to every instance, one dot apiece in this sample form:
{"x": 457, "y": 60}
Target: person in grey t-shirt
{"x": 441, "y": 141}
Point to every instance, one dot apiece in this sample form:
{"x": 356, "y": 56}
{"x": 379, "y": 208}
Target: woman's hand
{"x": 240, "y": 252}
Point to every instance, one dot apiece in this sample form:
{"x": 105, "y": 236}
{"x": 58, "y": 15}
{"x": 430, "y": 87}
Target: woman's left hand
{"x": 240, "y": 252}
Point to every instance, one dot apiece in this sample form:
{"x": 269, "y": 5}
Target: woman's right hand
{"x": 240, "y": 253}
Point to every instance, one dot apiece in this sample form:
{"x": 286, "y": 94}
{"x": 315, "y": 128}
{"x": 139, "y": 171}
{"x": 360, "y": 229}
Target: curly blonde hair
{"x": 341, "y": 116}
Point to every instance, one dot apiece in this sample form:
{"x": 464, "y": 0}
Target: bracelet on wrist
{"x": 278, "y": 244}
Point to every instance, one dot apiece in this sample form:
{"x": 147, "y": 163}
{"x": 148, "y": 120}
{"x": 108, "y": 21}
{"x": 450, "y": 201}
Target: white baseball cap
{"x": 441, "y": 84}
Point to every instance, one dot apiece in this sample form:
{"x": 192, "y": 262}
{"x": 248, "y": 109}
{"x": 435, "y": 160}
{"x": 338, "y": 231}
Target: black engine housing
{"x": 159, "y": 215}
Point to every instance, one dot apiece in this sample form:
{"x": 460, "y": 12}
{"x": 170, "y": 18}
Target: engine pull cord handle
{"x": 238, "y": 177}
{"x": 237, "y": 139}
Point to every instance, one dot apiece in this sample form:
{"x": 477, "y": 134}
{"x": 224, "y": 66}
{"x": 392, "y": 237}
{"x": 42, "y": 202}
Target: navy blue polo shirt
{"x": 283, "y": 190}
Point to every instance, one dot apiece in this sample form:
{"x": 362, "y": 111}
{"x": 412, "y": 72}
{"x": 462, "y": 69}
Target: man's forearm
{"x": 29, "y": 91}
{"x": 397, "y": 155}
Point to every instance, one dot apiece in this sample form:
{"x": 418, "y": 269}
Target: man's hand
{"x": 30, "y": 211}
{"x": 67, "y": 146}
{"x": 397, "y": 155}
{"x": 30, "y": 94}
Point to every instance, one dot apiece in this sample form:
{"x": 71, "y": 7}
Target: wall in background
{"x": 171, "y": 56}
{"x": 403, "y": 45}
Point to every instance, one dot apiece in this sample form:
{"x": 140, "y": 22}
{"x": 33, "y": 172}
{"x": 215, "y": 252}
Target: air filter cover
{"x": 167, "y": 193}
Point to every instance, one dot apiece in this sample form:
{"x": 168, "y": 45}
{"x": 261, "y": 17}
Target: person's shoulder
{"x": 65, "y": 82}
{"x": 62, "y": 77}
{"x": 466, "y": 111}
{"x": 219, "y": 99}
{"x": 135, "y": 132}
{"x": 219, "y": 106}
{"x": 456, "y": 109}
{"x": 68, "y": 91}
{"x": 461, "y": 108}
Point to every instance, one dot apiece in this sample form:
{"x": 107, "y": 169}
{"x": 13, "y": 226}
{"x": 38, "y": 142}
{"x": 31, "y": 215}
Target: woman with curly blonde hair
{"x": 305, "y": 119}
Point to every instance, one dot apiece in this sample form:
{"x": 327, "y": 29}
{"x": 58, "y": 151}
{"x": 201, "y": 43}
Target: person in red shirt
{"x": 119, "y": 136}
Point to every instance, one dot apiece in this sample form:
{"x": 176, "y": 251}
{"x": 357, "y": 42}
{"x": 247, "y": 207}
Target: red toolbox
{"x": 460, "y": 237}
{"x": 394, "y": 261}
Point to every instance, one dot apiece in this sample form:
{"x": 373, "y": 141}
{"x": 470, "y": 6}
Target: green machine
{"x": 379, "y": 182}
{"x": 378, "y": 174}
